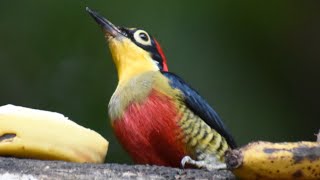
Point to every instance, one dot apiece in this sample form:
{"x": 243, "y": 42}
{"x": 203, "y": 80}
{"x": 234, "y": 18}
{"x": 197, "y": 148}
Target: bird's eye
{"x": 142, "y": 37}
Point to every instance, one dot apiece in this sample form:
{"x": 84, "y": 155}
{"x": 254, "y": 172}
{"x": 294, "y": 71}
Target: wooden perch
{"x": 12, "y": 168}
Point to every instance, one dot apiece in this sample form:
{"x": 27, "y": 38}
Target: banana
{"x": 265, "y": 160}
{"x": 38, "y": 134}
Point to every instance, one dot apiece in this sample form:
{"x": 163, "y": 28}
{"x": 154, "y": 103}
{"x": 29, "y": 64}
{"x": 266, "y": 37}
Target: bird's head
{"x": 133, "y": 50}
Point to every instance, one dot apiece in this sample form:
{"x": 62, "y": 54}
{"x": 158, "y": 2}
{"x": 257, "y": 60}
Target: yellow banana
{"x": 30, "y": 133}
{"x": 265, "y": 160}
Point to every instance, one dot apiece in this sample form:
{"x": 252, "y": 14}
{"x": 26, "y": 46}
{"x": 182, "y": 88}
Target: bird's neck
{"x": 129, "y": 70}
{"x": 136, "y": 90}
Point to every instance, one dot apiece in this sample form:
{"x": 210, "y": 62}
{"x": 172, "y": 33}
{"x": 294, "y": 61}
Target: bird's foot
{"x": 210, "y": 166}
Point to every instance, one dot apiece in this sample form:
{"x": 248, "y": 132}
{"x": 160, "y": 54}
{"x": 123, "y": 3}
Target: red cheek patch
{"x": 163, "y": 57}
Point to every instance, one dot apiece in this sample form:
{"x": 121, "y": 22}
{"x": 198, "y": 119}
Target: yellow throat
{"x": 130, "y": 59}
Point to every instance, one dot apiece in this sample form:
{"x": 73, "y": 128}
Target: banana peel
{"x": 38, "y": 134}
{"x": 266, "y": 160}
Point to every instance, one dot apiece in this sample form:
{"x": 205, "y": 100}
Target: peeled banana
{"x": 265, "y": 160}
{"x": 38, "y": 134}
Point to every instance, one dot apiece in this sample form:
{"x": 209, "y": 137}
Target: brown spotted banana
{"x": 265, "y": 160}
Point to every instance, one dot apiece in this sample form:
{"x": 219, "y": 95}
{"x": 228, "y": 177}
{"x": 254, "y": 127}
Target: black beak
{"x": 106, "y": 25}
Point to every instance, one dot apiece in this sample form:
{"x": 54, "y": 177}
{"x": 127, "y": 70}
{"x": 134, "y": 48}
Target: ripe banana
{"x": 265, "y": 160}
{"x": 30, "y": 133}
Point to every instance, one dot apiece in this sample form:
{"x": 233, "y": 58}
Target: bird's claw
{"x": 210, "y": 166}
{"x": 185, "y": 160}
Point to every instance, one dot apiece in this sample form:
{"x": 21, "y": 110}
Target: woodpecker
{"x": 157, "y": 117}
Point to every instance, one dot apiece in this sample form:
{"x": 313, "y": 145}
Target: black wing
{"x": 200, "y": 107}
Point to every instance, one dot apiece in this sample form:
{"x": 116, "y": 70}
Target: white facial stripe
{"x": 138, "y": 37}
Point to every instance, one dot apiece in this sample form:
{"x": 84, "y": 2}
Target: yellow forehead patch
{"x": 130, "y": 59}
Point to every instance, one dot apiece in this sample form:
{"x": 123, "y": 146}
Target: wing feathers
{"x": 200, "y": 107}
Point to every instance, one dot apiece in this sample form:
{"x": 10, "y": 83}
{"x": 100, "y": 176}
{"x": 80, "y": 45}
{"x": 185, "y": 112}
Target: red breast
{"x": 149, "y": 131}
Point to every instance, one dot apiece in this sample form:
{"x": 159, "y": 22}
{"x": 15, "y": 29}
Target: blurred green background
{"x": 257, "y": 63}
